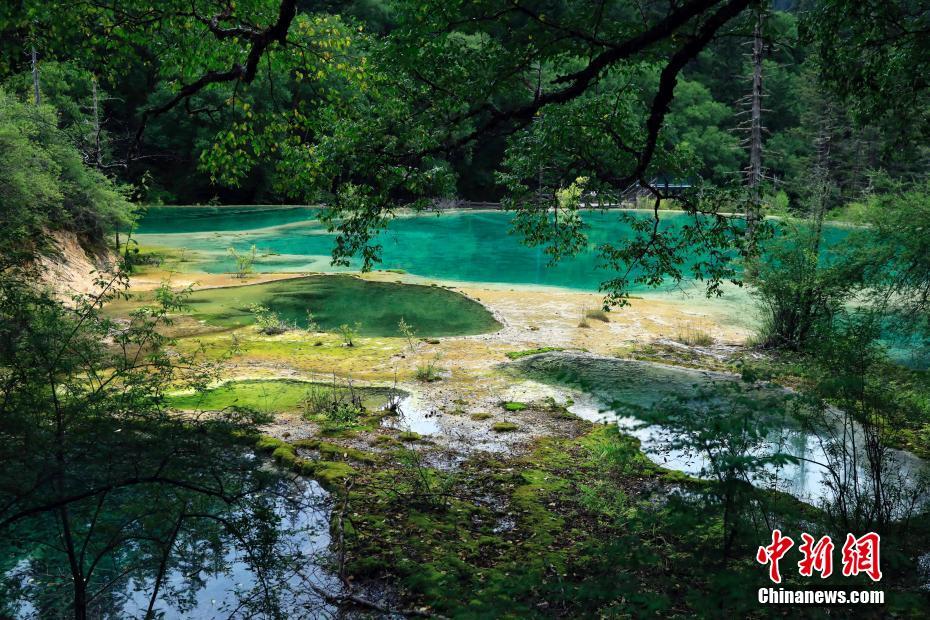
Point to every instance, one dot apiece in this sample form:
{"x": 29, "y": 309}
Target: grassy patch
{"x": 478, "y": 417}
{"x": 273, "y": 395}
{"x": 694, "y": 337}
{"x": 597, "y": 314}
{"x": 515, "y": 406}
{"x": 504, "y": 427}
{"x": 428, "y": 370}
{"x": 515, "y": 355}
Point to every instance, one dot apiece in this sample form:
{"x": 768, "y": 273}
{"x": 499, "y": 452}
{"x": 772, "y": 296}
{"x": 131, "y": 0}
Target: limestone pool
{"x": 463, "y": 246}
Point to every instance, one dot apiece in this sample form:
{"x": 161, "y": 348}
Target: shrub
{"x": 429, "y": 370}
{"x": 339, "y": 404}
{"x": 598, "y": 314}
{"x": 245, "y": 261}
{"x": 797, "y": 294}
{"x": 349, "y": 333}
{"x": 268, "y": 321}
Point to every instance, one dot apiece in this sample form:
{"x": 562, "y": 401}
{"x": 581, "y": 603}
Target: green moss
{"x": 342, "y": 299}
{"x": 504, "y": 427}
{"x": 285, "y": 455}
{"x": 329, "y": 473}
{"x": 409, "y": 436}
{"x": 515, "y": 406}
{"x": 333, "y": 451}
{"x": 457, "y": 560}
{"x": 267, "y": 443}
{"x": 343, "y": 431}
{"x": 332, "y": 473}
{"x": 478, "y": 417}
{"x": 515, "y": 355}
{"x": 272, "y": 395}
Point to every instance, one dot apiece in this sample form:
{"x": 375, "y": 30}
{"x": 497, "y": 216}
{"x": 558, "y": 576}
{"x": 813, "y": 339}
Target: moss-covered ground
{"x": 579, "y": 526}
{"x": 269, "y": 396}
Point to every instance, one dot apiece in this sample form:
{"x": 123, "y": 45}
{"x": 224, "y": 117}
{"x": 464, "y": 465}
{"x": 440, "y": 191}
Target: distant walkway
{"x": 473, "y": 205}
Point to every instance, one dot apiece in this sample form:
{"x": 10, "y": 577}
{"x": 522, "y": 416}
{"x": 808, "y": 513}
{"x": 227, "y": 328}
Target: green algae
{"x": 335, "y": 300}
{"x": 515, "y": 355}
{"x": 268, "y": 396}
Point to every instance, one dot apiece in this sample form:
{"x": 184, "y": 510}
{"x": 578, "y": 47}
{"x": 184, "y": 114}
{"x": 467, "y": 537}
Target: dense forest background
{"x": 103, "y": 85}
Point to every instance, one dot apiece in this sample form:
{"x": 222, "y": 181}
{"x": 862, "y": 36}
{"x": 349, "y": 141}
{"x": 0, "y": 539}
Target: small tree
{"x": 725, "y": 427}
{"x": 797, "y": 291}
{"x": 245, "y": 261}
{"x": 312, "y": 325}
{"x": 856, "y": 413}
{"x": 407, "y": 331}
{"x": 349, "y": 333}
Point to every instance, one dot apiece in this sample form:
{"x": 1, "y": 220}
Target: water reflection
{"x": 670, "y": 410}
{"x": 265, "y": 556}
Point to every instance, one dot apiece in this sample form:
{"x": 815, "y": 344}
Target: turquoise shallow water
{"x": 473, "y": 246}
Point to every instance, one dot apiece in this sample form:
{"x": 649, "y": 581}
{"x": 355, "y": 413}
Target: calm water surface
{"x": 469, "y": 246}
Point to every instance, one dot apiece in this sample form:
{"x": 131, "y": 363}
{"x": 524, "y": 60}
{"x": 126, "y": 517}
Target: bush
{"x": 339, "y": 404}
{"x": 428, "y": 371}
{"x": 797, "y": 292}
{"x": 268, "y": 321}
{"x": 349, "y": 333}
{"x": 245, "y": 261}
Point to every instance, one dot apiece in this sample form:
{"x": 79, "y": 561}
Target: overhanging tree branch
{"x": 260, "y": 41}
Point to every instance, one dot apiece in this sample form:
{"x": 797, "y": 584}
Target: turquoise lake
{"x": 470, "y": 246}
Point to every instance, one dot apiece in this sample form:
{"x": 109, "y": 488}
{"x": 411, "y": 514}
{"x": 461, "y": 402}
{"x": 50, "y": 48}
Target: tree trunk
{"x": 35, "y": 76}
{"x": 754, "y": 176}
{"x": 98, "y": 159}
